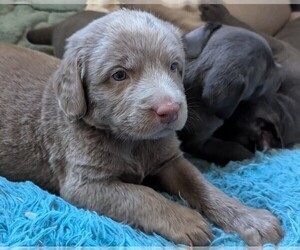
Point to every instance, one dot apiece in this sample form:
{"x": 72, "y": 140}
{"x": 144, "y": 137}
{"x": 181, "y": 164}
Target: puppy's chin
{"x": 155, "y": 136}
{"x": 154, "y": 131}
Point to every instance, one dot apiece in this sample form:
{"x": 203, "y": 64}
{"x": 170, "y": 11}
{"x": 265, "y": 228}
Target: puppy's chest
{"x": 137, "y": 162}
{"x": 130, "y": 163}
{"x": 103, "y": 157}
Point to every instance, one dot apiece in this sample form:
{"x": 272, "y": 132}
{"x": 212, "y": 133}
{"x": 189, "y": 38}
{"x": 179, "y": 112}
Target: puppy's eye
{"x": 174, "y": 67}
{"x": 119, "y": 76}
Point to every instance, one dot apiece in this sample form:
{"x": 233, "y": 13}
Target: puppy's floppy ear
{"x": 195, "y": 41}
{"x": 222, "y": 93}
{"x": 69, "y": 90}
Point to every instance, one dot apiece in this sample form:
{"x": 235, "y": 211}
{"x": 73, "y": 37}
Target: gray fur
{"x": 268, "y": 120}
{"x": 234, "y": 65}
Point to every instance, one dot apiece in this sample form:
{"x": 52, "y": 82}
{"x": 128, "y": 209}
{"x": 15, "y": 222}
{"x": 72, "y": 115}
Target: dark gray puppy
{"x": 272, "y": 120}
{"x": 95, "y": 125}
{"x": 225, "y": 65}
{"x": 278, "y": 113}
{"x": 57, "y": 35}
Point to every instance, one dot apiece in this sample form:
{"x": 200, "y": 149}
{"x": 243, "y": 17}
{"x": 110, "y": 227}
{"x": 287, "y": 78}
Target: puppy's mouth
{"x": 151, "y": 127}
{"x": 269, "y": 136}
{"x": 149, "y": 135}
{"x": 268, "y": 140}
{"x": 167, "y": 123}
{"x": 263, "y": 139}
{"x": 160, "y": 130}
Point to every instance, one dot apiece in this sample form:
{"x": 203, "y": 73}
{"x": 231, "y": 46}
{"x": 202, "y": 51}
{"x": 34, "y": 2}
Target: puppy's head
{"x": 124, "y": 73}
{"x": 255, "y": 125}
{"x": 227, "y": 65}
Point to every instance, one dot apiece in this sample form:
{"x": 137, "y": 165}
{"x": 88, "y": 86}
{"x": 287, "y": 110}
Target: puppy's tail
{"x": 40, "y": 36}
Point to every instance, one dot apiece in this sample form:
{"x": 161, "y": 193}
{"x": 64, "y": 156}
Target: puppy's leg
{"x": 255, "y": 226}
{"x": 136, "y": 205}
{"x": 216, "y": 150}
{"x": 219, "y": 13}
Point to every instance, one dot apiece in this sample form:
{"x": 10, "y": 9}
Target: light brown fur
{"x": 70, "y": 128}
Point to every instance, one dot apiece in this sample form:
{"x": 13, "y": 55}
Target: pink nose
{"x": 167, "y": 112}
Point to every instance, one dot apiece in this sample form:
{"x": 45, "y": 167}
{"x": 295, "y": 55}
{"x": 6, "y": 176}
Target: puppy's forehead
{"x": 138, "y": 47}
{"x": 135, "y": 36}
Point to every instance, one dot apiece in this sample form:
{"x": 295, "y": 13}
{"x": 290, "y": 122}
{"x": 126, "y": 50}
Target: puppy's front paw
{"x": 213, "y": 12}
{"x": 187, "y": 226}
{"x": 257, "y": 226}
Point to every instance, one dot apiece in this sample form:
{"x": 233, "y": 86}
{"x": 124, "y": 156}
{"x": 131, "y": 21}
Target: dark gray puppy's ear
{"x": 223, "y": 94}
{"x": 195, "y": 41}
{"x": 67, "y": 84}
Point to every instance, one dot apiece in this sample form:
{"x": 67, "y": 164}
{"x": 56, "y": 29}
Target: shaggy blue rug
{"x": 30, "y": 216}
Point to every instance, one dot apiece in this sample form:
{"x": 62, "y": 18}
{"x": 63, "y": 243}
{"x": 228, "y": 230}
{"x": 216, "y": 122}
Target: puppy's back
{"x": 23, "y": 74}
{"x": 23, "y": 77}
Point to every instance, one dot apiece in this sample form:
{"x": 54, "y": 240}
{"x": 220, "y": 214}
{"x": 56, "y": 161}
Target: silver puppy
{"x": 105, "y": 121}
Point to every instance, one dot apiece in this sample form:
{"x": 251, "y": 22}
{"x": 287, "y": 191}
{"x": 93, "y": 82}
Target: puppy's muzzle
{"x": 166, "y": 111}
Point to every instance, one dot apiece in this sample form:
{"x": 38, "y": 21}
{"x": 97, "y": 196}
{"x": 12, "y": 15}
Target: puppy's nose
{"x": 167, "y": 112}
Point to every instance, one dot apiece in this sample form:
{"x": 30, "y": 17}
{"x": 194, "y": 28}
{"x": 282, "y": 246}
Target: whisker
{"x": 194, "y": 106}
{"x": 189, "y": 88}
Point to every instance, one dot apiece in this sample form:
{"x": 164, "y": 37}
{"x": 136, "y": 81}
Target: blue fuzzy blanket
{"x": 30, "y": 216}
